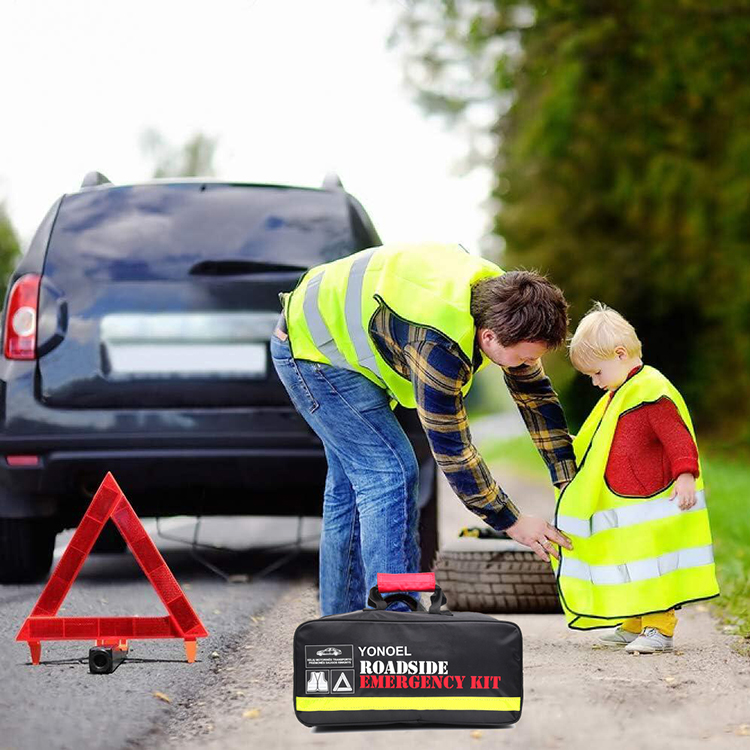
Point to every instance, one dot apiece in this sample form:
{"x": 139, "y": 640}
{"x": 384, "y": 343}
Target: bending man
{"x": 411, "y": 324}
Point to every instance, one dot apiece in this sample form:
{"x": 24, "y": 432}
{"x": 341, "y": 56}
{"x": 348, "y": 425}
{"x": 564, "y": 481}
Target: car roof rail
{"x": 94, "y": 178}
{"x": 332, "y": 182}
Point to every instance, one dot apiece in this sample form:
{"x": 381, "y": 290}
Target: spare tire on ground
{"x": 495, "y": 576}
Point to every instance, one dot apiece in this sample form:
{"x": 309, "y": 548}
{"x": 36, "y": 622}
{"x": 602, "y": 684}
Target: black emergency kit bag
{"x": 423, "y": 666}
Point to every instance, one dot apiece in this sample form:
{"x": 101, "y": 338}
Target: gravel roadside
{"x": 576, "y": 692}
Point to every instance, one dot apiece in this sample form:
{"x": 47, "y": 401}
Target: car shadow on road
{"x": 235, "y": 549}
{"x": 233, "y": 565}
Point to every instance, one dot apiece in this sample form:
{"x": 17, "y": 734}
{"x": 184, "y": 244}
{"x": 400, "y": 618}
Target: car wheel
{"x": 497, "y": 581}
{"x": 26, "y": 547}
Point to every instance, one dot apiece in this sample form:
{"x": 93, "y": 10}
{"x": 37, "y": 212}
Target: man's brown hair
{"x": 521, "y": 306}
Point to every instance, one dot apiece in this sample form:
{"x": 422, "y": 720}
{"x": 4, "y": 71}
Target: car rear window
{"x": 163, "y": 231}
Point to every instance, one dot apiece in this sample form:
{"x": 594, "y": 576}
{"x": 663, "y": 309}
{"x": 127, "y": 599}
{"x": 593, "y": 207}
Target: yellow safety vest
{"x": 428, "y": 284}
{"x": 631, "y": 555}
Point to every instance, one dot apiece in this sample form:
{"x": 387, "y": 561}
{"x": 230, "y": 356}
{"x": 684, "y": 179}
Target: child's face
{"x": 609, "y": 374}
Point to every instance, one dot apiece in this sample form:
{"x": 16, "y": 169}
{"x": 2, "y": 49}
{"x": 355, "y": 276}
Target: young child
{"x": 635, "y": 511}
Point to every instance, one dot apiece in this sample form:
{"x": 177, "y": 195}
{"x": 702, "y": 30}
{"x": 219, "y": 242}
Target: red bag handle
{"x": 406, "y": 582}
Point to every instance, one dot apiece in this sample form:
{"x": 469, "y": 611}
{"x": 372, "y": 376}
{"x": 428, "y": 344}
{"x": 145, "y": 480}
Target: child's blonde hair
{"x": 598, "y": 334}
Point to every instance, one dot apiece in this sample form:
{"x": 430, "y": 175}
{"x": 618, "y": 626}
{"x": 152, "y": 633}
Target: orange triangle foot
{"x": 191, "y": 649}
{"x": 36, "y": 651}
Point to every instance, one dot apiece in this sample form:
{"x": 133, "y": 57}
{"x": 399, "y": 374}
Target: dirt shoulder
{"x": 576, "y": 692}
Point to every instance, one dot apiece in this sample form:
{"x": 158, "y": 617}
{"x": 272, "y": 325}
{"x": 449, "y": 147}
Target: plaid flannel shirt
{"x": 438, "y": 368}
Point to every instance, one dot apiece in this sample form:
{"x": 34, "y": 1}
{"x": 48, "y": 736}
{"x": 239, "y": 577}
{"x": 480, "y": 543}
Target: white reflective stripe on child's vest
{"x": 629, "y": 515}
{"x": 638, "y": 570}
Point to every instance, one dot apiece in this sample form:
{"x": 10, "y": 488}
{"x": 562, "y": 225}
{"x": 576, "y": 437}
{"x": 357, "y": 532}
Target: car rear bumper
{"x": 238, "y": 461}
{"x": 204, "y": 481}
{"x": 166, "y": 482}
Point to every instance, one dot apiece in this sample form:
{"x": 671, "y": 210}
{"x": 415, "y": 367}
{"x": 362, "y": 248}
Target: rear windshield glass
{"x": 164, "y": 231}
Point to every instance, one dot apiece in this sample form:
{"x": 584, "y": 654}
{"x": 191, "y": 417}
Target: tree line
{"x": 619, "y": 145}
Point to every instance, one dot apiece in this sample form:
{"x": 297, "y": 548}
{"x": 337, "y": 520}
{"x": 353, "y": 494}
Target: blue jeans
{"x": 370, "y": 509}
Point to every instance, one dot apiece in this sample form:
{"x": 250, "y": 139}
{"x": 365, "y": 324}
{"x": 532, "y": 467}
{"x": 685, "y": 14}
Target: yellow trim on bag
{"x": 445, "y": 703}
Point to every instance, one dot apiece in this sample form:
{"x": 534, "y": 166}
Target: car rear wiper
{"x": 240, "y": 267}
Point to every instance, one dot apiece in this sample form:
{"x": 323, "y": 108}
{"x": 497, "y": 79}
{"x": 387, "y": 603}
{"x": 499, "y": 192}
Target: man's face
{"x": 525, "y": 353}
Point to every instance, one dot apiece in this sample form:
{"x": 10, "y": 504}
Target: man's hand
{"x": 539, "y": 536}
{"x": 684, "y": 491}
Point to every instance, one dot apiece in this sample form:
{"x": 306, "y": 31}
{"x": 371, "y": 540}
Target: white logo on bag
{"x": 342, "y": 685}
{"x": 317, "y": 681}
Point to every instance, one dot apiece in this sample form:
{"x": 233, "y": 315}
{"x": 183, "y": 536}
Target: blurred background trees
{"x": 10, "y": 250}
{"x": 194, "y": 158}
{"x": 617, "y": 132}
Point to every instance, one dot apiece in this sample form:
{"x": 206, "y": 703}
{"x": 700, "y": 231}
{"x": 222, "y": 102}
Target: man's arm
{"x": 544, "y": 418}
{"x": 437, "y": 375}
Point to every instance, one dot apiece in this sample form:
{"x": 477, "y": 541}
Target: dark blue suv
{"x": 136, "y": 331}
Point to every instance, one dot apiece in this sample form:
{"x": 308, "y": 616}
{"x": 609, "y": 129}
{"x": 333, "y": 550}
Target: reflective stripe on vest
{"x": 424, "y": 284}
{"x": 353, "y": 313}
{"x": 638, "y": 570}
{"x": 318, "y": 328}
{"x": 629, "y": 515}
{"x": 319, "y": 331}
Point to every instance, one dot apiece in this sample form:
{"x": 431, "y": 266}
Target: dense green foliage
{"x": 622, "y": 167}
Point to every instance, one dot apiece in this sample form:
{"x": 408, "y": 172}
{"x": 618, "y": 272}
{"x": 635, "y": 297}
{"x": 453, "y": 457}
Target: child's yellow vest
{"x": 428, "y": 284}
{"x": 631, "y": 555}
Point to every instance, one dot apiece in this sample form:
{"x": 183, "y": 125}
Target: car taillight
{"x": 20, "y": 318}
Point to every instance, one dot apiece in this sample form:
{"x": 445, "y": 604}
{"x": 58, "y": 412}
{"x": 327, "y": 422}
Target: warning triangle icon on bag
{"x": 342, "y": 685}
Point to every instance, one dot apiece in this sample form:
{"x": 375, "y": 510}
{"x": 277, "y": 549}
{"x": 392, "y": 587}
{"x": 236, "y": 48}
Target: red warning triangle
{"x": 42, "y": 624}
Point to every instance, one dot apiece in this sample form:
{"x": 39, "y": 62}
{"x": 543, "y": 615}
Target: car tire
{"x": 26, "y": 548}
{"x": 497, "y": 581}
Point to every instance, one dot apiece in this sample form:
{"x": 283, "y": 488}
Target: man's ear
{"x": 621, "y": 352}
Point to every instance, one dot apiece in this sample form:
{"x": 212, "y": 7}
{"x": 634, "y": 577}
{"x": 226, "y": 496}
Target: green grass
{"x": 518, "y": 454}
{"x": 728, "y": 496}
{"x": 727, "y": 481}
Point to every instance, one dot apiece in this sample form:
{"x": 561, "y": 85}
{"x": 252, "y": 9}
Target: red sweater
{"x": 650, "y": 449}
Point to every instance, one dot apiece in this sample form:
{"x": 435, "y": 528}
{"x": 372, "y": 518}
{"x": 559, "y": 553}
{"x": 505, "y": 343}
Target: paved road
{"x": 59, "y": 704}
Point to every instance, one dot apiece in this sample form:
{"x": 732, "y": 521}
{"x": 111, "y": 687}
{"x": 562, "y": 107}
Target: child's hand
{"x": 684, "y": 491}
